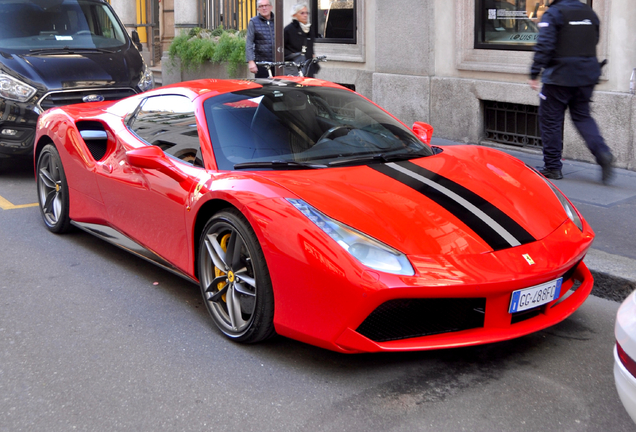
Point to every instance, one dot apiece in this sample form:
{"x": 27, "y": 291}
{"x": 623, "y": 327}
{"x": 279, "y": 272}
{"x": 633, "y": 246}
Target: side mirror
{"x": 424, "y": 131}
{"x": 152, "y": 157}
{"x": 135, "y": 40}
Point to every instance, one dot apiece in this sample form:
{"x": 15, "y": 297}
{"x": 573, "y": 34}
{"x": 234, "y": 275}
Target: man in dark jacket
{"x": 260, "y": 40}
{"x": 566, "y": 53}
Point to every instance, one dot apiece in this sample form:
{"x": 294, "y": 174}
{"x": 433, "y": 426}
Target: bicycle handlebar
{"x": 302, "y": 67}
{"x": 270, "y": 65}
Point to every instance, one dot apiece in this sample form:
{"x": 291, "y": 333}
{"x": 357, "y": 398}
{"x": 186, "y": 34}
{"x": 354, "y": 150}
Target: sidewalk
{"x": 610, "y": 210}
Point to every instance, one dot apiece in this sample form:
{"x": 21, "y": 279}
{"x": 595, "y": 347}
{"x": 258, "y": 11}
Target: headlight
{"x": 567, "y": 206}
{"x": 365, "y": 249}
{"x": 13, "y": 89}
{"x": 147, "y": 80}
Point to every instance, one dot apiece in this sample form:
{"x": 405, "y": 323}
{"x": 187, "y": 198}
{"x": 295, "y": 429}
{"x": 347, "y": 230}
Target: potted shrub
{"x": 202, "y": 53}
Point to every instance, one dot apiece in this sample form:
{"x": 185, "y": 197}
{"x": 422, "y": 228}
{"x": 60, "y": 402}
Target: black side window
{"x": 335, "y": 21}
{"x": 169, "y": 122}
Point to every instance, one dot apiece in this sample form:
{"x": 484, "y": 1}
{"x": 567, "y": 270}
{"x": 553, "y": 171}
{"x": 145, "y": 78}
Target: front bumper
{"x": 17, "y": 128}
{"x": 625, "y": 333}
{"x": 625, "y": 386}
{"x": 497, "y": 324}
{"x": 337, "y": 296}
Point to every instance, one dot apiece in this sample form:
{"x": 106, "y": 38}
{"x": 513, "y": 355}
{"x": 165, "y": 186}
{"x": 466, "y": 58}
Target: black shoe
{"x": 555, "y": 174}
{"x": 605, "y": 161}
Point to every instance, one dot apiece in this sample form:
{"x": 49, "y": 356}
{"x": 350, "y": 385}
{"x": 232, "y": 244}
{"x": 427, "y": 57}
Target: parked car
{"x": 625, "y": 354}
{"x": 57, "y": 52}
{"x": 302, "y": 208}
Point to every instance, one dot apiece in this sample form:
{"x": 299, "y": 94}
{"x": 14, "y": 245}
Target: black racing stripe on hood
{"x": 503, "y": 219}
{"x": 496, "y": 228}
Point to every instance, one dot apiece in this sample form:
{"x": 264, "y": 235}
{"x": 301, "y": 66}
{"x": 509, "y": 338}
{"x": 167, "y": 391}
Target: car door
{"x": 145, "y": 190}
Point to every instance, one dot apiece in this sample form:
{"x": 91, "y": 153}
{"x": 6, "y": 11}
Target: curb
{"x": 610, "y": 287}
{"x": 616, "y": 280}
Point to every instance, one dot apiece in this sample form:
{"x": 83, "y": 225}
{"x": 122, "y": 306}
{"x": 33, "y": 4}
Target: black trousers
{"x": 262, "y": 72}
{"x": 554, "y": 101}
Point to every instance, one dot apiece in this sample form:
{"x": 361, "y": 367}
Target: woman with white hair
{"x": 299, "y": 39}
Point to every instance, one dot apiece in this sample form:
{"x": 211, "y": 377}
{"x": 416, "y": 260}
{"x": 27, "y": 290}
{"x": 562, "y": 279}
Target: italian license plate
{"x": 537, "y": 295}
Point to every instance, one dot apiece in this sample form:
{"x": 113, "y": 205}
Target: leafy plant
{"x": 217, "y": 46}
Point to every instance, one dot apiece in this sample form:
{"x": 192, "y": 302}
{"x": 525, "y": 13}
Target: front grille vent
{"x": 67, "y": 97}
{"x": 409, "y": 318}
{"x": 518, "y": 317}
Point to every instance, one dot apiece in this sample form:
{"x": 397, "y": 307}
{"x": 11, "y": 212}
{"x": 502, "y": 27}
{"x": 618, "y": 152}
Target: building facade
{"x": 461, "y": 65}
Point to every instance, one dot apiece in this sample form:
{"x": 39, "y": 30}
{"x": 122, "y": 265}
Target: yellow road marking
{"x": 6, "y": 205}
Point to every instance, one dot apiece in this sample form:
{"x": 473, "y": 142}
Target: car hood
{"x": 75, "y": 70}
{"x": 449, "y": 203}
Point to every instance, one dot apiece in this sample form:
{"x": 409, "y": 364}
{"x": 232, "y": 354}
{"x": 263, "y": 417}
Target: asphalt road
{"x": 92, "y": 338}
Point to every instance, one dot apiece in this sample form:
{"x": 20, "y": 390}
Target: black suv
{"x": 59, "y": 52}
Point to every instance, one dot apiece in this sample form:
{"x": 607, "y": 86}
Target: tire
{"x": 236, "y": 286}
{"x": 52, "y": 190}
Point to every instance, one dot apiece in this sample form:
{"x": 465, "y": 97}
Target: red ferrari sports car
{"x": 304, "y": 209}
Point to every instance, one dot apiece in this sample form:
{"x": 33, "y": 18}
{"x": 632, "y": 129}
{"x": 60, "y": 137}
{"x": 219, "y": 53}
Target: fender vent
{"x": 95, "y": 138}
{"x": 409, "y": 318}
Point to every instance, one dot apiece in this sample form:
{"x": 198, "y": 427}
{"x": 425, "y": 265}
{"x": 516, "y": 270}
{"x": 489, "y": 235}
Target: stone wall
{"x": 453, "y": 106}
{"x": 417, "y": 59}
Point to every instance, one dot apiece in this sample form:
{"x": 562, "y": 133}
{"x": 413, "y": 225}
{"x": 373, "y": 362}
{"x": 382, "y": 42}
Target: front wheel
{"x": 234, "y": 278}
{"x": 53, "y": 190}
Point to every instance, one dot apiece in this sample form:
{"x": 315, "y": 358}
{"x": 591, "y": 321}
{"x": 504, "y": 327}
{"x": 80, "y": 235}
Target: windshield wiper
{"x": 277, "y": 164}
{"x": 377, "y": 157}
{"x": 69, "y": 50}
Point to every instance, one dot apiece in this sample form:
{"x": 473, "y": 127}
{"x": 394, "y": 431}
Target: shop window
{"x": 335, "y": 20}
{"x": 509, "y": 24}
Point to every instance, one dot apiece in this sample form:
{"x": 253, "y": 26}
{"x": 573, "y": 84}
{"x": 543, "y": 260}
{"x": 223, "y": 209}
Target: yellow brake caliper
{"x": 217, "y": 271}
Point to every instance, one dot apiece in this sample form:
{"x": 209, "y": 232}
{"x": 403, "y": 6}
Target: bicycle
{"x": 302, "y": 67}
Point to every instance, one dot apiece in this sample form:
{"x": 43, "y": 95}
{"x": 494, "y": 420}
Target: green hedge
{"x": 200, "y": 46}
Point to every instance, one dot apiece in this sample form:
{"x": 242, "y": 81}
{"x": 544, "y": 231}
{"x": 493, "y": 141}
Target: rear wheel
{"x": 235, "y": 282}
{"x": 53, "y": 190}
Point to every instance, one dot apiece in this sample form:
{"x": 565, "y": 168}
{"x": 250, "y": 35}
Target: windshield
{"x": 304, "y": 125}
{"x": 42, "y": 25}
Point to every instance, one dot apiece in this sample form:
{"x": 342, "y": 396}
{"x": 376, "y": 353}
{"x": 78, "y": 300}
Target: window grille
{"x": 510, "y": 123}
{"x": 232, "y": 14}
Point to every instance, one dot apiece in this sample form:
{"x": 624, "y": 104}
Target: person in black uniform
{"x": 565, "y": 57}
{"x": 260, "y": 39}
{"x": 299, "y": 40}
